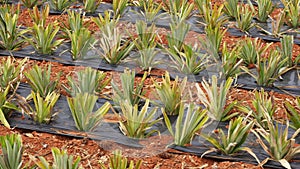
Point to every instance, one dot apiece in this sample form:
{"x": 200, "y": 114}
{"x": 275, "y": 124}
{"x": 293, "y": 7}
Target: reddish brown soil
{"x": 92, "y": 153}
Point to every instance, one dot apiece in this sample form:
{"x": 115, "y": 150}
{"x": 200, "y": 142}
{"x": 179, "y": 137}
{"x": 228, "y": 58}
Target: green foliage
{"x": 189, "y": 60}
{"x": 40, "y": 80}
{"x": 171, "y": 94}
{"x": 10, "y": 32}
{"x": 146, "y": 36}
{"x": 59, "y": 5}
{"x": 276, "y": 25}
{"x": 265, "y": 8}
{"x": 117, "y": 161}
{"x": 6, "y": 105}
{"x": 12, "y": 150}
{"x": 90, "y": 6}
{"x": 39, "y": 17}
{"x": 190, "y": 120}
{"x": 215, "y": 100}
{"x": 293, "y": 113}
{"x": 244, "y": 17}
{"x": 201, "y": 4}
{"x": 277, "y": 144}
{"x": 149, "y": 10}
{"x": 43, "y": 107}
{"x": 230, "y": 62}
{"x": 145, "y": 43}
{"x": 262, "y": 106}
{"x": 213, "y": 40}
{"x": 82, "y": 106}
{"x": 146, "y": 58}
{"x": 43, "y": 38}
{"x": 177, "y": 36}
{"x": 134, "y": 122}
{"x": 11, "y": 9}
{"x": 214, "y": 20}
{"x": 292, "y": 12}
{"x": 250, "y": 50}
{"x": 287, "y": 43}
{"x": 231, "y": 8}
{"x": 231, "y": 142}
{"x": 75, "y": 21}
{"x": 128, "y": 91}
{"x": 269, "y": 69}
{"x": 119, "y": 7}
{"x": 113, "y": 48}
{"x": 61, "y": 161}
{"x": 30, "y": 3}
{"x": 10, "y": 72}
{"x": 3, "y": 1}
{"x": 87, "y": 81}
{"x": 179, "y": 9}
{"x": 82, "y": 41}
{"x": 213, "y": 16}
{"x": 81, "y": 38}
{"x": 105, "y": 23}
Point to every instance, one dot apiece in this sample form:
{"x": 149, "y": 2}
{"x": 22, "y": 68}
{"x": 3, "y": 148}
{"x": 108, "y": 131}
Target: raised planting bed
{"x": 172, "y": 84}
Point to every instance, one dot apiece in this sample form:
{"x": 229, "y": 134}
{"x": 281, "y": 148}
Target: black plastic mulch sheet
{"x": 134, "y": 13}
{"x": 78, "y": 7}
{"x": 163, "y": 19}
{"x": 289, "y": 84}
{"x": 200, "y": 146}
{"x": 256, "y": 33}
{"x": 240, "y": 157}
{"x": 63, "y": 123}
{"x": 276, "y": 3}
{"x": 10, "y": 2}
{"x": 63, "y": 56}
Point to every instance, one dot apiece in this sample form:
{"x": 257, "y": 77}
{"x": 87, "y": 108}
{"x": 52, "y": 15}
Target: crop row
{"x": 144, "y": 45}
{"x": 136, "y": 117}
